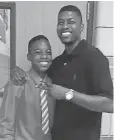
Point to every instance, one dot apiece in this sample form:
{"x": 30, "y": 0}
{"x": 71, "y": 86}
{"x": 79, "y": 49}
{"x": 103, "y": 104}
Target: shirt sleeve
{"x": 7, "y": 112}
{"x": 101, "y": 77}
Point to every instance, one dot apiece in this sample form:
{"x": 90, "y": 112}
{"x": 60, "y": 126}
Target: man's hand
{"x": 57, "y": 92}
{"x": 18, "y": 76}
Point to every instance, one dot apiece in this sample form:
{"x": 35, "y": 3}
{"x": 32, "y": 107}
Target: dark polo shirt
{"x": 85, "y": 70}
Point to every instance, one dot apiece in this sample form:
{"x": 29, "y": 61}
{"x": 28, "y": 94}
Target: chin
{"x": 66, "y": 42}
{"x": 44, "y": 69}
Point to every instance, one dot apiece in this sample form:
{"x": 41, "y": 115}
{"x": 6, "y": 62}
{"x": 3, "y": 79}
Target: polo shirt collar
{"x": 79, "y": 49}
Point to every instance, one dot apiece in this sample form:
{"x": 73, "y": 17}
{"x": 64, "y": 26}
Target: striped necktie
{"x": 44, "y": 110}
{"x": 44, "y": 105}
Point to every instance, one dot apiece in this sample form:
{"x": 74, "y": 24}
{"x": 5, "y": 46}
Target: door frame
{"x": 90, "y": 19}
{"x": 12, "y": 7}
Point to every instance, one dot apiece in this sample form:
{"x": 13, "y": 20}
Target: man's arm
{"x": 95, "y": 103}
{"x": 102, "y": 98}
{"x": 7, "y": 113}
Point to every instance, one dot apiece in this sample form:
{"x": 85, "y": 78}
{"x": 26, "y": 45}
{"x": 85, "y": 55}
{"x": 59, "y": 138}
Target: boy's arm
{"x": 7, "y": 113}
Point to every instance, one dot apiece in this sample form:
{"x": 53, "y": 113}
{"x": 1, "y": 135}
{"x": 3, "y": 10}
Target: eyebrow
{"x": 40, "y": 49}
{"x": 36, "y": 49}
{"x": 63, "y": 19}
{"x": 70, "y": 18}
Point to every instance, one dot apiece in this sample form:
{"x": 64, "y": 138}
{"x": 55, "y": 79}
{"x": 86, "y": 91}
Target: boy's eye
{"x": 38, "y": 51}
{"x": 49, "y": 52}
{"x": 60, "y": 22}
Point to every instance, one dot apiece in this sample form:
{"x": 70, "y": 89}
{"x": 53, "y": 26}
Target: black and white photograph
{"x": 56, "y": 70}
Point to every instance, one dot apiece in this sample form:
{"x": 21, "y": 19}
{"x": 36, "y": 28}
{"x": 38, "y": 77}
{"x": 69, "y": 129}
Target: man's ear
{"x": 29, "y": 57}
{"x": 82, "y": 27}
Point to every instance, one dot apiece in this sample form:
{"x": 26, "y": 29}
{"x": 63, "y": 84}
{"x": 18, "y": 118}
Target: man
{"x": 81, "y": 80}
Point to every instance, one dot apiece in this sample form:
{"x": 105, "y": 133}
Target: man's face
{"x": 69, "y": 27}
{"x": 40, "y": 55}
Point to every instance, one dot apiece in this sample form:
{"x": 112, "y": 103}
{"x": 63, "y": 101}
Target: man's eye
{"x": 71, "y": 22}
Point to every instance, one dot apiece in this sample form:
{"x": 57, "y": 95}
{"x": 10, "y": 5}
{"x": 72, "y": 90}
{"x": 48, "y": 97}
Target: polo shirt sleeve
{"x": 100, "y": 73}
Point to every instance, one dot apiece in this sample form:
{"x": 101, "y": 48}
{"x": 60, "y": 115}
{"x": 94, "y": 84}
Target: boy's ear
{"x": 29, "y": 57}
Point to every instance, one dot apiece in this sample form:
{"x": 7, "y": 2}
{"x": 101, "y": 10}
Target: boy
{"x": 26, "y": 111}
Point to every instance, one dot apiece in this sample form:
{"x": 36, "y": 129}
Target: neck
{"x": 71, "y": 46}
{"x": 36, "y": 73}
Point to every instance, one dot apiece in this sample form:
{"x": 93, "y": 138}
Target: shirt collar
{"x": 79, "y": 49}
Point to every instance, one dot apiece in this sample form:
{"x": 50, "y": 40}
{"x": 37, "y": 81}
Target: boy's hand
{"x": 18, "y": 76}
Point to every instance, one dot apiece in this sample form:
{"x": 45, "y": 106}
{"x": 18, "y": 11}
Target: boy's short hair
{"x": 71, "y": 8}
{"x": 36, "y": 38}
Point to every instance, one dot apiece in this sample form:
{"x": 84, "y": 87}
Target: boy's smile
{"x": 40, "y": 55}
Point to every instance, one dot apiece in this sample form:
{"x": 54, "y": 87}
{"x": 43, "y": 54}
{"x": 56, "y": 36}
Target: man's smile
{"x": 44, "y": 63}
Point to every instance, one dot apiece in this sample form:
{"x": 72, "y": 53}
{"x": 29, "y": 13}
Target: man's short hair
{"x": 71, "y": 8}
{"x": 34, "y": 39}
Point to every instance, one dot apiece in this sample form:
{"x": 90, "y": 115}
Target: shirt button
{"x": 65, "y": 64}
{"x": 36, "y": 86}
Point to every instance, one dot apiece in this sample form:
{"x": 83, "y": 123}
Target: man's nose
{"x": 65, "y": 25}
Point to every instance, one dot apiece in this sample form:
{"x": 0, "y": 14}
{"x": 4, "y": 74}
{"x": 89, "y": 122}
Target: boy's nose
{"x": 44, "y": 56}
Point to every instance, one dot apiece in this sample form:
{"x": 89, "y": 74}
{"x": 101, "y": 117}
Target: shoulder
{"x": 11, "y": 85}
{"x": 95, "y": 57}
{"x": 13, "y": 89}
{"x": 54, "y": 64}
{"x": 56, "y": 59}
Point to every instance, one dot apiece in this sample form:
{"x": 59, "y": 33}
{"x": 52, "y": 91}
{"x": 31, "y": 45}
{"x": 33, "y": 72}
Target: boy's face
{"x": 40, "y": 55}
